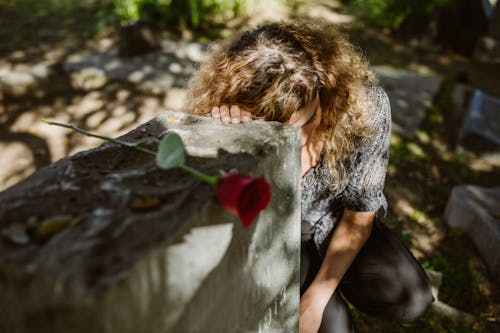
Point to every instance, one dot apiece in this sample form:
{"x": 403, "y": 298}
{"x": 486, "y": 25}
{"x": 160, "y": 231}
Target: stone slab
{"x": 481, "y": 127}
{"x": 411, "y": 95}
{"x": 180, "y": 265}
{"x": 477, "y": 211}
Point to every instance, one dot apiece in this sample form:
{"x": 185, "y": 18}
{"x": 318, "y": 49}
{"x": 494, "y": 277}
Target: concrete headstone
{"x": 148, "y": 250}
{"x": 481, "y": 127}
{"x": 477, "y": 211}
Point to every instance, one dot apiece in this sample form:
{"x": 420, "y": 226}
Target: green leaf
{"x": 171, "y": 152}
{"x": 54, "y": 225}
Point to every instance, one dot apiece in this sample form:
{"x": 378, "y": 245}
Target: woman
{"x": 308, "y": 75}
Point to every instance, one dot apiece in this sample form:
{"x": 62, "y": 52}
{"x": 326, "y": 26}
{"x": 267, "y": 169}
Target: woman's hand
{"x": 310, "y": 313}
{"x": 233, "y": 115}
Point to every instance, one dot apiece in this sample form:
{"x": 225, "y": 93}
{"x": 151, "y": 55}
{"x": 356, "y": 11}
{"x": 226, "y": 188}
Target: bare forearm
{"x": 348, "y": 239}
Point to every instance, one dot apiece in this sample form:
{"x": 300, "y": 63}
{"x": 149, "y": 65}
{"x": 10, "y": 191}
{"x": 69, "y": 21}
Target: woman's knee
{"x": 415, "y": 304}
{"x": 387, "y": 281}
{"x": 395, "y": 304}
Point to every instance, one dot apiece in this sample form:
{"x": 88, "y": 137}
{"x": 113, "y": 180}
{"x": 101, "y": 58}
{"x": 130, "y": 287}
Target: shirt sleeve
{"x": 364, "y": 191}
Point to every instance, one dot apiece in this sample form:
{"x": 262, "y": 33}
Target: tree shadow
{"x": 239, "y": 291}
{"x": 102, "y": 251}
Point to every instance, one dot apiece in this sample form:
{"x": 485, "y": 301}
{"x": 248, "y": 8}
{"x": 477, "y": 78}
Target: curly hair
{"x": 277, "y": 69}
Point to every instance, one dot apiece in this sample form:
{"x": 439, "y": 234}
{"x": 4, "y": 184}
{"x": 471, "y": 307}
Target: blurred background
{"x": 110, "y": 65}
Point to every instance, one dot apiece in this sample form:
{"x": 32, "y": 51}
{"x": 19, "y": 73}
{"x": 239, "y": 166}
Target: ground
{"x": 421, "y": 173}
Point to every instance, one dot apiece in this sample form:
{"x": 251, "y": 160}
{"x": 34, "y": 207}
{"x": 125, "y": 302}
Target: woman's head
{"x": 280, "y": 69}
{"x": 266, "y": 72}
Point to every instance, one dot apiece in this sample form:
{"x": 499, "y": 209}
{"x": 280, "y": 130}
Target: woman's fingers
{"x": 246, "y": 117}
{"x": 233, "y": 115}
{"x": 215, "y": 112}
{"x": 224, "y": 114}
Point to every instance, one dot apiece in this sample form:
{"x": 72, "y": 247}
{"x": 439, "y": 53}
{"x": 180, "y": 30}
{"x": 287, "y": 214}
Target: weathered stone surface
{"x": 411, "y": 95}
{"x": 477, "y": 211}
{"x": 481, "y": 129}
{"x": 180, "y": 265}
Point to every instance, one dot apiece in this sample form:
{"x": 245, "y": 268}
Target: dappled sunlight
{"x": 81, "y": 106}
{"x": 17, "y": 163}
{"x": 26, "y": 122}
{"x": 97, "y": 118}
{"x": 55, "y": 70}
{"x": 112, "y": 110}
{"x": 174, "y": 99}
{"x": 421, "y": 69}
{"x": 331, "y": 11}
{"x": 268, "y": 11}
{"x": 169, "y": 68}
{"x": 322, "y": 12}
{"x": 425, "y": 233}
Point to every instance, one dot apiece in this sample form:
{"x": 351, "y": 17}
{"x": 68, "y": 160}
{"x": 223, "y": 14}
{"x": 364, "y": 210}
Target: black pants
{"x": 385, "y": 280}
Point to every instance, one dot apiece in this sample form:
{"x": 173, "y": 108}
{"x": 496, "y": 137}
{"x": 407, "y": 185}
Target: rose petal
{"x": 254, "y": 198}
{"x": 229, "y": 188}
{"x": 243, "y": 196}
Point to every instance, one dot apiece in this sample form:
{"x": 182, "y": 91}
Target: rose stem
{"x": 102, "y": 137}
{"x": 200, "y": 175}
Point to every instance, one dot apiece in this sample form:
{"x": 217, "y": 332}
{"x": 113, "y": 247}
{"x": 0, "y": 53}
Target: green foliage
{"x": 397, "y": 15}
{"x": 179, "y": 13}
{"x": 405, "y": 150}
{"x": 31, "y": 24}
{"x": 127, "y": 10}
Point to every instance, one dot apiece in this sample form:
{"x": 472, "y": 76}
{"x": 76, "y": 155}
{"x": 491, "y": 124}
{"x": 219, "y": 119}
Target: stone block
{"x": 477, "y": 211}
{"x": 179, "y": 263}
{"x": 411, "y": 95}
{"x": 481, "y": 129}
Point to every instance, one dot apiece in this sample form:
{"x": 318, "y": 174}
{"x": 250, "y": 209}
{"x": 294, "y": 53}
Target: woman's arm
{"x": 349, "y": 237}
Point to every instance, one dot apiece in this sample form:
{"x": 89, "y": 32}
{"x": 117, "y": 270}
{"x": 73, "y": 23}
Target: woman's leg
{"x": 386, "y": 280}
{"x": 336, "y": 318}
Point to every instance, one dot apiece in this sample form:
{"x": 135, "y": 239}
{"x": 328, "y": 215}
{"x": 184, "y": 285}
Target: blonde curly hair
{"x": 277, "y": 69}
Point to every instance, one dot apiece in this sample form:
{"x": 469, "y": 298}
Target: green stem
{"x": 102, "y": 137}
{"x": 200, "y": 175}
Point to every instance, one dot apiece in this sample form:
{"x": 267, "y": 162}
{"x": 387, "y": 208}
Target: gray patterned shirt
{"x": 322, "y": 207}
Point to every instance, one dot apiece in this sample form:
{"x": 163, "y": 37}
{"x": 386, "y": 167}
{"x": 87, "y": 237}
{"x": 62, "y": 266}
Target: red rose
{"x": 243, "y": 196}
